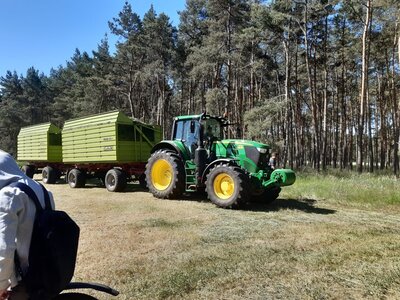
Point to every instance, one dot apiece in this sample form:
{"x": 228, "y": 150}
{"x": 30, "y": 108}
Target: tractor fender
{"x": 217, "y": 162}
{"x": 168, "y": 145}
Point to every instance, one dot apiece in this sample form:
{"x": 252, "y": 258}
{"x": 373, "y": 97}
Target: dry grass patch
{"x": 298, "y": 248}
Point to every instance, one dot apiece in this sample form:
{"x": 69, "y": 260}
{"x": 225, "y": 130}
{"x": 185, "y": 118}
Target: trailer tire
{"x": 76, "y": 178}
{"x": 28, "y": 170}
{"x": 227, "y": 187}
{"x": 142, "y": 181}
{"x": 115, "y": 180}
{"x": 165, "y": 175}
{"x": 74, "y": 296}
{"x": 50, "y": 175}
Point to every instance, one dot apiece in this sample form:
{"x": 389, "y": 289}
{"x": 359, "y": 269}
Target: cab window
{"x": 184, "y": 133}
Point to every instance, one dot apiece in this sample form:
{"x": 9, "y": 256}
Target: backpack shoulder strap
{"x": 31, "y": 194}
{"x": 47, "y": 204}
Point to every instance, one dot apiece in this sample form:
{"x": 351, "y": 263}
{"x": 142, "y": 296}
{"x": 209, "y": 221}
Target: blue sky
{"x": 45, "y": 33}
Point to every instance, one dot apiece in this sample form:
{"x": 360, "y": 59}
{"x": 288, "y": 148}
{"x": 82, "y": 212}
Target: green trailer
{"x": 39, "y": 143}
{"x": 110, "y": 137}
{"x": 109, "y": 146}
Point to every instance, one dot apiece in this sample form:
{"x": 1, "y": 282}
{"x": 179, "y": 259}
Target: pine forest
{"x": 318, "y": 80}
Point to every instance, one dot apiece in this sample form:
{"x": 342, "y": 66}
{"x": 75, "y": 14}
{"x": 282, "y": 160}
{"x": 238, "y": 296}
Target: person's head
{"x": 274, "y": 154}
{"x": 9, "y": 170}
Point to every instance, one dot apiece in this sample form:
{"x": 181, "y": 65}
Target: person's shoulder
{"x": 11, "y": 188}
{"x": 12, "y": 198}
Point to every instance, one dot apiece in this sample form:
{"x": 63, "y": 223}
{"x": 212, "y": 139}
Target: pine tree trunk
{"x": 363, "y": 90}
{"x": 396, "y": 127}
{"x": 382, "y": 113}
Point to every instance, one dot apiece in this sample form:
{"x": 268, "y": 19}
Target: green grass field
{"x": 326, "y": 237}
{"x": 349, "y": 189}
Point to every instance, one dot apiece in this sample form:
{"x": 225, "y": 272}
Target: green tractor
{"x": 198, "y": 158}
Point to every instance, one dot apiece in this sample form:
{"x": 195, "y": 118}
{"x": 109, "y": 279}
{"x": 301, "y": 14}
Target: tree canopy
{"x": 318, "y": 80}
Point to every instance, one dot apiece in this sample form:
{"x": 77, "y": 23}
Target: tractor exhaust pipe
{"x": 200, "y": 158}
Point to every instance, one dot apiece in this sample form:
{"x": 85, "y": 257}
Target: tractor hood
{"x": 252, "y": 156}
{"x": 246, "y": 143}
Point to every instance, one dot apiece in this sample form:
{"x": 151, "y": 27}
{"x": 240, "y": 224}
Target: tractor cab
{"x": 196, "y": 130}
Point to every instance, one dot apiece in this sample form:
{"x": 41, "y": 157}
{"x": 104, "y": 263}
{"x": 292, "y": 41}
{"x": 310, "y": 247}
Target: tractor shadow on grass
{"x": 304, "y": 205}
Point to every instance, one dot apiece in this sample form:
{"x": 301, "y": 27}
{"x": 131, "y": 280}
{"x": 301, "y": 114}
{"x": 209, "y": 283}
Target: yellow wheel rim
{"x": 161, "y": 174}
{"x": 224, "y": 186}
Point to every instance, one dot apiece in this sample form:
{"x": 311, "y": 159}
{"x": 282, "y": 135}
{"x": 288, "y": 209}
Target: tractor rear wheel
{"x": 165, "y": 175}
{"x": 50, "y": 175}
{"x": 227, "y": 187}
{"x": 76, "y": 178}
{"x": 115, "y": 180}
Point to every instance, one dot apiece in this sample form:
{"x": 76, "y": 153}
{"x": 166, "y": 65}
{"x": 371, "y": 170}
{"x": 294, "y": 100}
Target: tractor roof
{"x": 188, "y": 117}
{"x": 202, "y": 116}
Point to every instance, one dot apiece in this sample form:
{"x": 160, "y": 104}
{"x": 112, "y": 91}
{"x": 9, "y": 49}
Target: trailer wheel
{"x": 165, "y": 175}
{"x": 142, "y": 181}
{"x": 76, "y": 178}
{"x": 50, "y": 175}
{"x": 115, "y": 180}
{"x": 28, "y": 170}
{"x": 227, "y": 187}
{"x": 74, "y": 296}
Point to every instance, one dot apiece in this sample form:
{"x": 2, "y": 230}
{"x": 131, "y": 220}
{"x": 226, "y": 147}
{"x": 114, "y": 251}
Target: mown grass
{"x": 326, "y": 237}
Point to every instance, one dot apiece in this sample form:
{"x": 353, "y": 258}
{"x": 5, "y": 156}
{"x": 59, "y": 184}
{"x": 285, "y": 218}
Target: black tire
{"x": 227, "y": 187}
{"x": 266, "y": 196}
{"x": 76, "y": 178}
{"x": 165, "y": 175}
{"x": 74, "y": 296}
{"x": 142, "y": 181}
{"x": 50, "y": 175}
{"x": 115, "y": 180}
{"x": 28, "y": 170}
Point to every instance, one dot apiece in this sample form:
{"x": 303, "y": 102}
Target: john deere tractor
{"x": 198, "y": 158}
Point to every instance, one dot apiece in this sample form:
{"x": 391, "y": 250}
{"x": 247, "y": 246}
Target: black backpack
{"x": 53, "y": 249}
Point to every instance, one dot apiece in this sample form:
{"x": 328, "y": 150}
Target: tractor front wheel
{"x": 165, "y": 175}
{"x": 227, "y": 187}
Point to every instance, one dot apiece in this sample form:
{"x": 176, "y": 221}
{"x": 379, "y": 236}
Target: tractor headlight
{"x": 262, "y": 150}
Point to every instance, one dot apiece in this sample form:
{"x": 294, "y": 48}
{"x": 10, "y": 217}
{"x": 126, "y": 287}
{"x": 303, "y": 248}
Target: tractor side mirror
{"x": 192, "y": 126}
